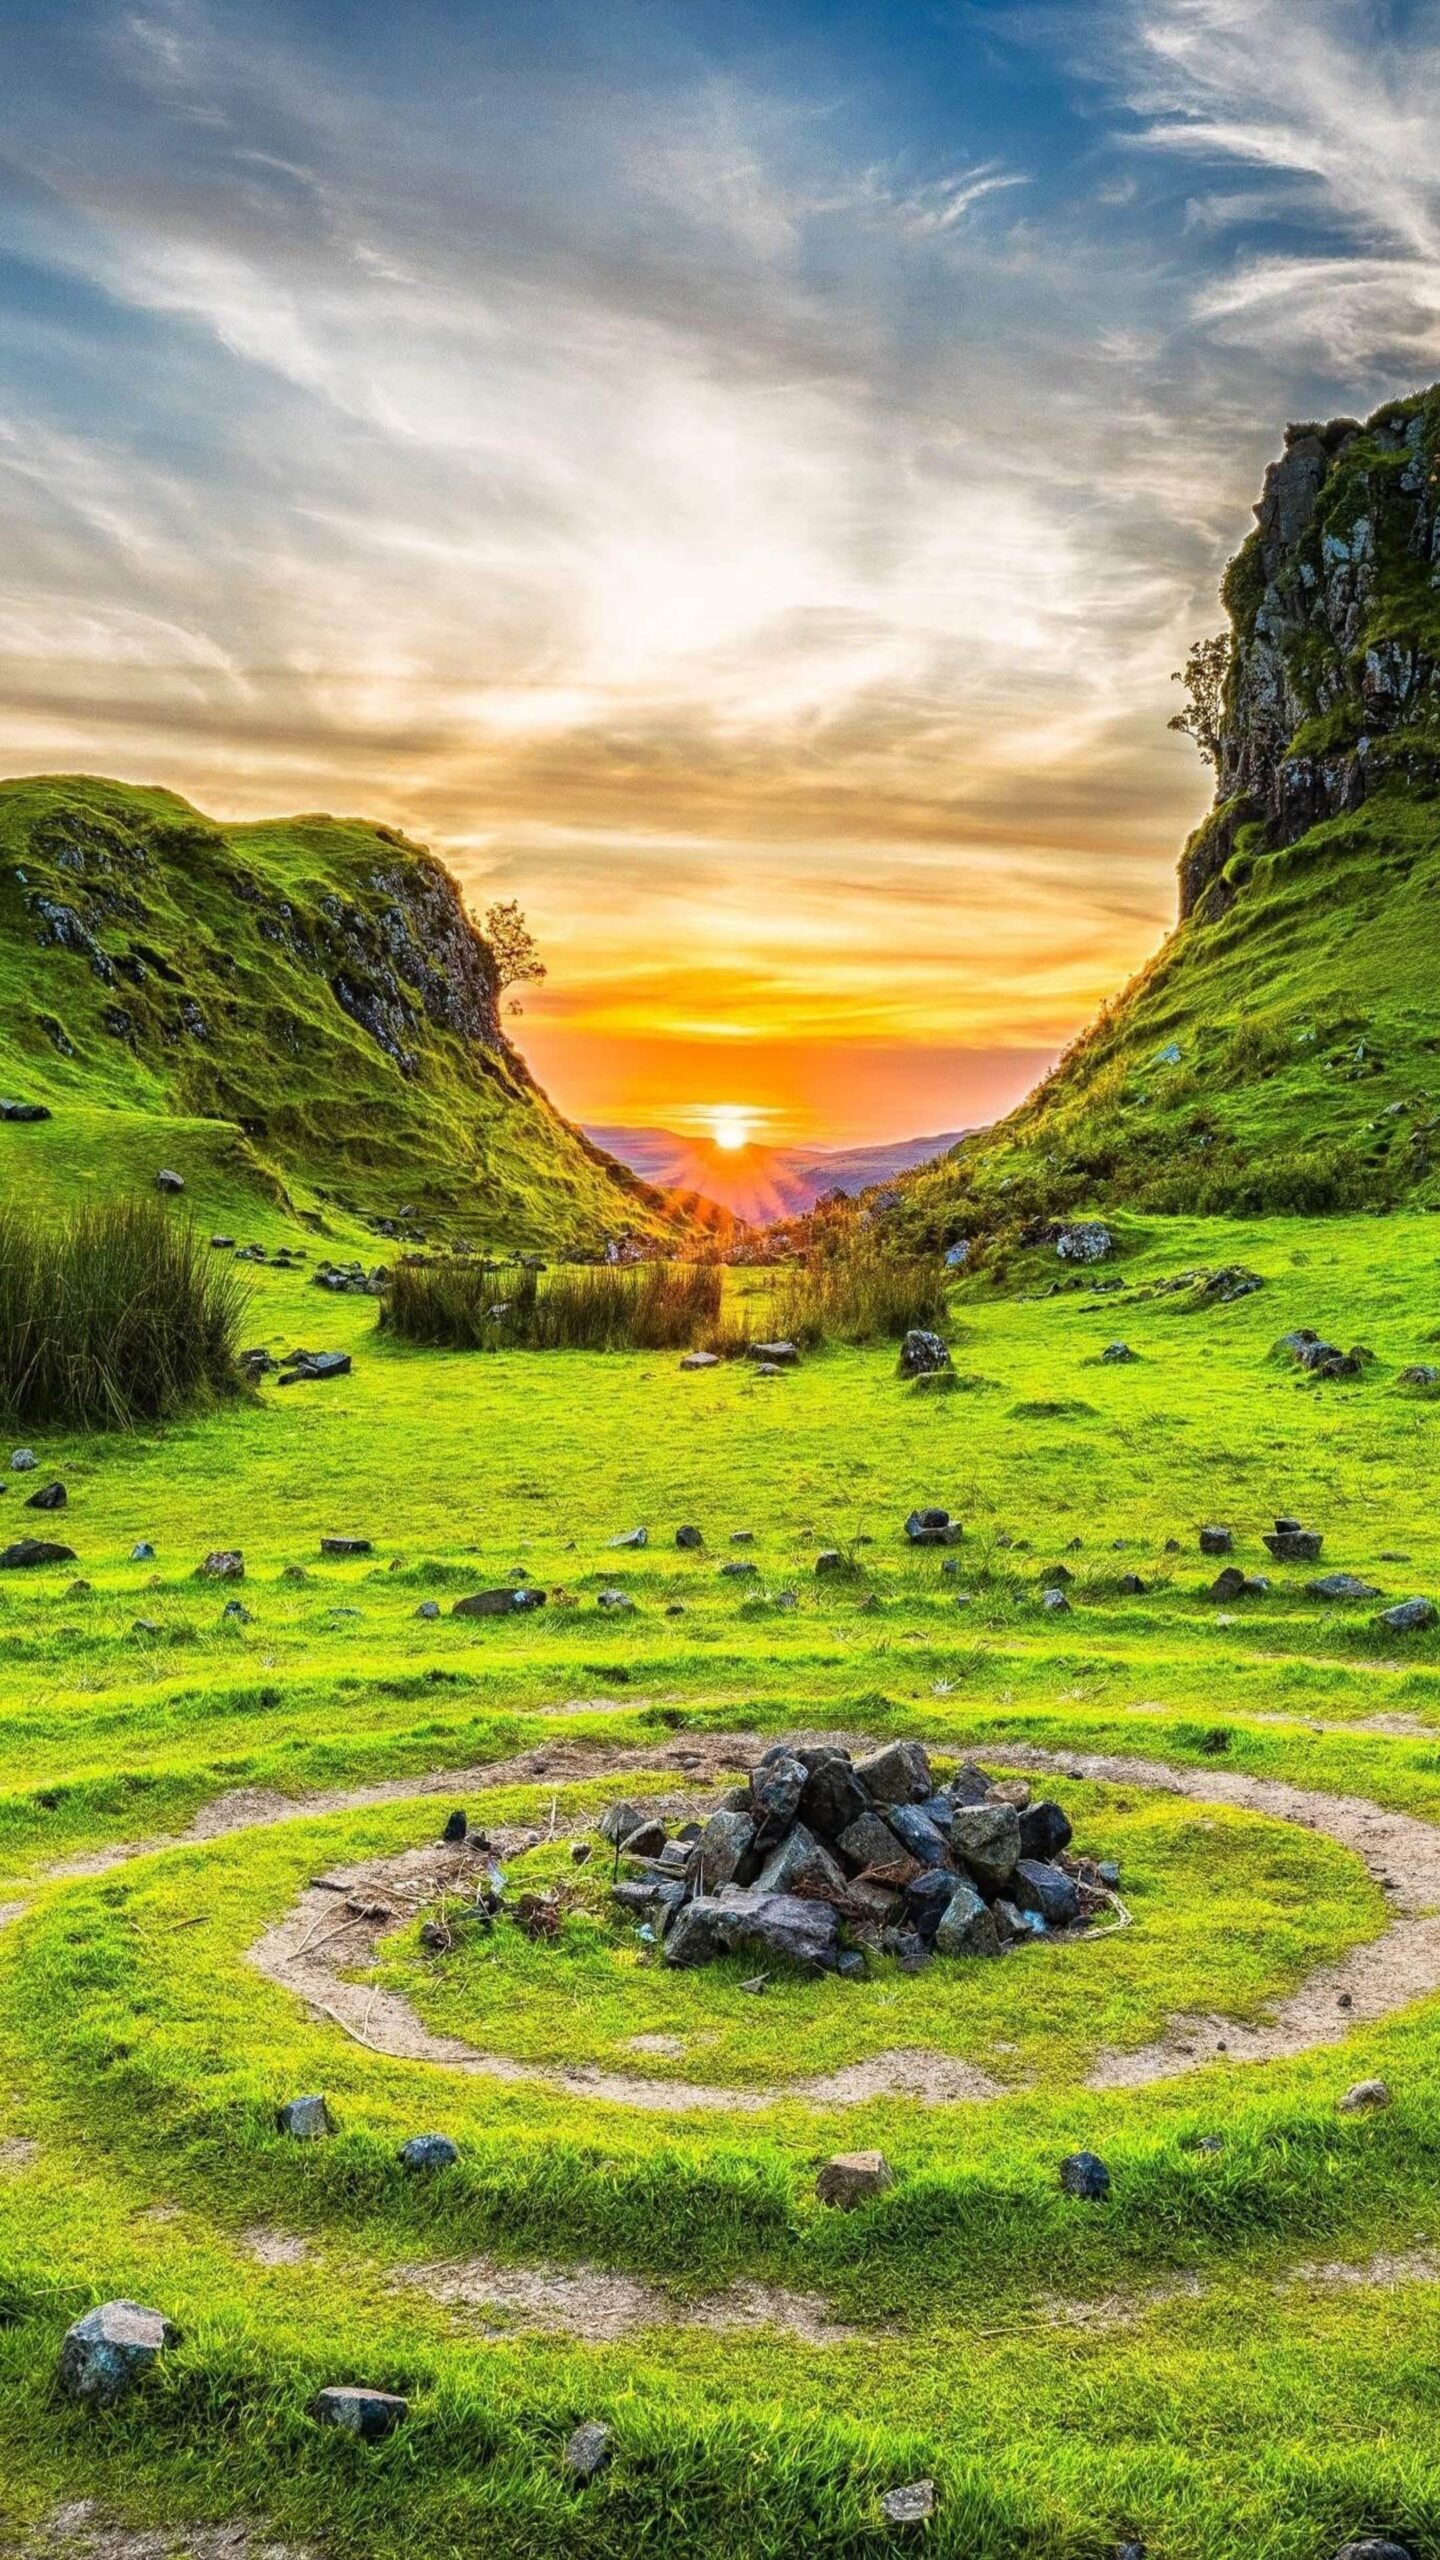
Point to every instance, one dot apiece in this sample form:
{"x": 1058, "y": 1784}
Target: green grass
{"x": 115, "y": 1315}
{"x": 144, "y": 2056}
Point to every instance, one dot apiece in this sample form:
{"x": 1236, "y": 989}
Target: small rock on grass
{"x": 359, "y": 2412}
{"x": 347, "y": 1546}
{"x": 456, "y": 1825}
{"x": 304, "y": 2119}
{"x": 224, "y": 1564}
{"x": 1408, "y": 1617}
{"x": 1086, "y": 2176}
{"x": 29, "y": 1551}
{"x": 1374, "y": 2546}
{"x": 914, "y": 2504}
{"x": 851, "y": 2178}
{"x": 108, "y": 2350}
{"x": 428, "y": 1609}
{"x": 51, "y": 1497}
{"x": 142, "y": 1552}
{"x": 1366, "y": 2097}
{"x": 428, "y": 2151}
{"x": 22, "y": 1460}
{"x": 589, "y": 2450}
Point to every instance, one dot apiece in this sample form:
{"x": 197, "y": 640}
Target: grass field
{"x": 1235, "y": 2353}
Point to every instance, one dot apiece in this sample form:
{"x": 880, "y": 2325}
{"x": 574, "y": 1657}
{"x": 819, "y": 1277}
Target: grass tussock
{"x": 115, "y": 1316}
{"x": 859, "y": 1295}
{"x": 457, "y": 1305}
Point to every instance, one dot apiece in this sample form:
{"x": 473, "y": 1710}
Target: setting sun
{"x": 731, "y": 1126}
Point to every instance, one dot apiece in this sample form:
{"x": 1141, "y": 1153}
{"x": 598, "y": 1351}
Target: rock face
{"x": 1332, "y": 680}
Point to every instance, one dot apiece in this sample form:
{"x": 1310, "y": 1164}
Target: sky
{"x": 736, "y": 478}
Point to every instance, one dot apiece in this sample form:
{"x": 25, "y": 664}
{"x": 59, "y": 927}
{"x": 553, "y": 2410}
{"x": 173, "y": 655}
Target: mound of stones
{"x": 820, "y": 1861}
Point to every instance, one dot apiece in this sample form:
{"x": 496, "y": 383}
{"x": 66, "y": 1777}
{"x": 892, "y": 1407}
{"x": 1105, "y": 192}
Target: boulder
{"x": 1217, "y": 1542}
{"x": 165, "y": 1180}
{"x": 1423, "y": 1374}
{"x": 1375, "y": 2546}
{"x": 647, "y": 1839}
{"x": 987, "y": 1837}
{"x": 506, "y": 1603}
{"x": 618, "y": 1821}
{"x": 1340, "y": 1586}
{"x": 1233, "y": 1583}
{"x": 32, "y": 1551}
{"x": 1407, "y": 1618}
{"x": 739, "y": 1569}
{"x": 921, "y": 1354}
{"x": 969, "y": 1785}
{"x": 370, "y": 2415}
{"x": 869, "y": 1842}
{"x": 851, "y": 2178}
{"x": 617, "y": 1602}
{"x": 589, "y": 2450}
{"x": 898, "y": 1773}
{"x": 1118, "y": 1352}
{"x": 1294, "y": 1546}
{"x": 689, "y": 1538}
{"x": 775, "y": 1792}
{"x": 1038, "y": 1886}
{"x": 103, "y": 2355}
{"x": 800, "y": 1863}
{"x": 1132, "y": 1586}
{"x": 347, "y": 1546}
{"x": 1056, "y": 1602}
{"x": 425, "y": 2152}
{"x": 304, "y": 2119}
{"x": 933, "y": 1527}
{"x": 457, "y": 1826}
{"x": 701, "y": 1360}
{"x": 723, "y": 1847}
{"x": 223, "y": 1564}
{"x": 782, "y": 1926}
{"x": 775, "y": 1355}
{"x": 428, "y": 1609}
{"x": 1085, "y": 2176}
{"x": 1044, "y": 1830}
{"x": 916, "y": 1832}
{"x": 632, "y": 1538}
{"x": 830, "y": 1560}
{"x": 50, "y": 1497}
{"x": 832, "y": 1797}
{"x": 1085, "y": 1241}
{"x": 927, "y": 1899}
{"x": 301, "y": 1368}
{"x": 22, "y": 1460}
{"x": 965, "y": 1927}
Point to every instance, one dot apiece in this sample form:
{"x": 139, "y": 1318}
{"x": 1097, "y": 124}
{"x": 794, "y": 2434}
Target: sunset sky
{"x": 737, "y": 478}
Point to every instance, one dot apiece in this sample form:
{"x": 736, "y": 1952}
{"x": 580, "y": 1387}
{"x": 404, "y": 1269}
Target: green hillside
{"x": 297, "y": 1011}
{"x": 1282, "y": 1050}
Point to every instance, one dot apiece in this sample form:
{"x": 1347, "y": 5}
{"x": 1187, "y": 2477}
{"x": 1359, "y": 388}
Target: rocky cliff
{"x": 314, "y": 983}
{"x": 1334, "y": 681}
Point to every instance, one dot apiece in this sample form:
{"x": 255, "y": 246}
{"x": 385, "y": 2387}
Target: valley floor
{"x": 1236, "y": 2353}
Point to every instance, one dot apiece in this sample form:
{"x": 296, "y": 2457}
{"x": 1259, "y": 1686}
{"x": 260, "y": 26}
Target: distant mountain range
{"x": 758, "y": 1182}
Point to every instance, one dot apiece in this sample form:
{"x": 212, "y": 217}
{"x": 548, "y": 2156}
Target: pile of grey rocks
{"x": 822, "y": 1861}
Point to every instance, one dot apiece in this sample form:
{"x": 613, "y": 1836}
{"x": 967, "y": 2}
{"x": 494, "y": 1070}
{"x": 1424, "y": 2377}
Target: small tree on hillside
{"x": 1203, "y": 677}
{"x": 514, "y": 949}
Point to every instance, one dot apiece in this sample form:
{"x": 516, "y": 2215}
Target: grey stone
{"x": 50, "y": 1497}
{"x": 1407, "y": 1618}
{"x": 833, "y": 1797}
{"x": 798, "y": 1860}
{"x": 851, "y": 2178}
{"x": 347, "y": 1546}
{"x": 22, "y": 1460}
{"x": 1217, "y": 1542}
{"x": 33, "y": 1551}
{"x": 1294, "y": 1546}
{"x": 898, "y": 1773}
{"x": 927, "y": 1899}
{"x": 632, "y": 1538}
{"x": 104, "y": 2354}
{"x": 701, "y": 1360}
{"x": 1118, "y": 1352}
{"x": 370, "y": 2415}
{"x": 1044, "y": 1830}
{"x": 689, "y": 1538}
{"x": 617, "y": 1602}
{"x": 830, "y": 1560}
{"x": 236, "y": 1611}
{"x": 780, "y": 1925}
{"x": 931, "y": 1526}
{"x": 223, "y": 1564}
{"x": 304, "y": 2119}
{"x": 1056, "y": 1602}
{"x": 589, "y": 2451}
{"x": 647, "y": 1839}
{"x": 619, "y": 1820}
{"x": 1366, "y": 2097}
{"x": 987, "y": 1837}
{"x": 1131, "y": 1585}
{"x": 302, "y": 1368}
{"x": 776, "y": 1355}
{"x": 428, "y": 1609}
{"x": 869, "y": 1843}
{"x": 1421, "y": 1373}
{"x": 1375, "y": 2546}
{"x": 1086, "y": 2176}
{"x": 921, "y": 1354}
{"x": 723, "y": 1847}
{"x": 142, "y": 1552}
{"x": 1340, "y": 1586}
{"x": 916, "y": 1832}
{"x": 165, "y": 1180}
{"x": 1039, "y": 1886}
{"x": 1086, "y": 1241}
{"x": 428, "y": 2151}
{"x": 739, "y": 1569}
{"x": 775, "y": 1792}
{"x": 11, "y": 1110}
{"x": 965, "y": 1926}
{"x": 506, "y": 1603}
{"x": 912, "y": 2504}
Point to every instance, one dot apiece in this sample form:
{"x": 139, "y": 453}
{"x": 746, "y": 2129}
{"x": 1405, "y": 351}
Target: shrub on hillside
{"x": 859, "y": 1294}
{"x": 457, "y": 1305}
{"x": 115, "y": 1316}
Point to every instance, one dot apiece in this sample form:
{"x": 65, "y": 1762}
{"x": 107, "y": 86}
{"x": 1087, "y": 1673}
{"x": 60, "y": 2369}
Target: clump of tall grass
{"x": 114, "y": 1316}
{"x": 858, "y": 1294}
{"x": 458, "y": 1305}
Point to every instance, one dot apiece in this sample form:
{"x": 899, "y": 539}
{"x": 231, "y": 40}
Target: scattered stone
{"x": 33, "y": 1551}
{"x": 51, "y": 1497}
{"x": 22, "y": 1460}
{"x": 1044, "y": 1830}
{"x": 618, "y": 1821}
{"x": 738, "y": 1568}
{"x": 1131, "y": 1585}
{"x": 830, "y": 1560}
{"x": 742, "y": 1537}
{"x": 222, "y": 1244}
{"x": 922, "y": 1354}
{"x": 304, "y": 2119}
{"x": 1055, "y": 1601}
{"x": 1118, "y": 1352}
{"x": 1420, "y": 1373}
{"x": 898, "y": 1773}
{"x": 1047, "y": 1890}
{"x": 1233, "y": 1583}
{"x": 428, "y": 1609}
{"x": 1366, "y": 2097}
{"x": 506, "y": 1603}
{"x": 1290, "y": 1544}
{"x": 236, "y": 1612}
{"x": 142, "y": 1552}
{"x": 966, "y": 1926}
{"x": 456, "y": 1825}
{"x": 428, "y": 2151}
{"x": 370, "y": 2415}
{"x": 775, "y": 1355}
{"x": 782, "y": 1925}
{"x": 689, "y": 1538}
{"x": 104, "y": 2354}
{"x": 165, "y": 1180}
{"x": 1085, "y": 2176}
{"x": 914, "y": 2504}
{"x": 1086, "y": 1241}
{"x": 1374, "y": 2546}
{"x": 1407, "y": 1618}
{"x": 933, "y": 1527}
{"x": 988, "y": 1839}
{"x": 301, "y": 1368}
{"x": 723, "y": 1846}
{"x": 701, "y": 1360}
{"x": 10, "y": 1110}
{"x": 1223, "y": 1287}
{"x": 632, "y": 1538}
{"x": 1217, "y": 1542}
{"x": 589, "y": 2451}
{"x": 347, "y": 1546}
{"x": 223, "y": 1564}
{"x": 1340, "y": 1586}
{"x": 851, "y": 2178}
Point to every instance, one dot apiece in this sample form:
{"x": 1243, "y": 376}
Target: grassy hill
{"x": 1282, "y": 1050}
{"x": 297, "y": 1011}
